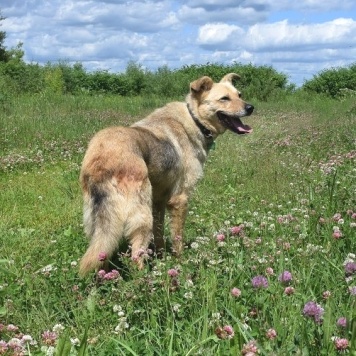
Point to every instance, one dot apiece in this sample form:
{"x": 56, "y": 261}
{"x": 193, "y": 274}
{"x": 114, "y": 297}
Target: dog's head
{"x": 218, "y": 106}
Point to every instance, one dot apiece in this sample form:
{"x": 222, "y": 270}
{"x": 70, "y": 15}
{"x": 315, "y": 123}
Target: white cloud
{"x": 218, "y": 34}
{"x": 106, "y": 34}
{"x": 284, "y": 36}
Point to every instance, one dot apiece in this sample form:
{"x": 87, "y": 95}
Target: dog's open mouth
{"x": 234, "y": 124}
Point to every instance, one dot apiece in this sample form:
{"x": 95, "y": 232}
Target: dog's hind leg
{"x": 139, "y": 224}
{"x": 177, "y": 207}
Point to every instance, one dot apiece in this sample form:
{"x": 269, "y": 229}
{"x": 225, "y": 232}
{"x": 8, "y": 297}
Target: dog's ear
{"x": 200, "y": 85}
{"x": 230, "y": 78}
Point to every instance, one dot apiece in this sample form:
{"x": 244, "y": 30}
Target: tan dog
{"x": 130, "y": 175}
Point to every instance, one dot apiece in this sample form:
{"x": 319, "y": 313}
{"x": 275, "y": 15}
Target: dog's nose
{"x": 249, "y": 109}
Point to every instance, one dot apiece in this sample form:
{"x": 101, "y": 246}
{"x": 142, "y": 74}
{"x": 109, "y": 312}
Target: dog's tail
{"x": 103, "y": 223}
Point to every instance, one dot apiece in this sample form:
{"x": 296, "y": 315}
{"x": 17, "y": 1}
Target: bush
{"x": 333, "y": 82}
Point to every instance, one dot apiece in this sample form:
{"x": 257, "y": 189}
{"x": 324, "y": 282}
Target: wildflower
{"x": 176, "y": 307}
{"x": 341, "y": 322}
{"x": 114, "y": 274}
{"x": 3, "y": 347}
{"x": 49, "y": 337}
{"x": 102, "y": 256}
{"x": 48, "y": 351}
{"x": 337, "y": 234}
{"x": 289, "y": 290}
{"x": 74, "y": 341}
{"x": 188, "y": 295}
{"x": 229, "y": 331}
{"x": 12, "y": 328}
{"x": 122, "y": 326}
{"x": 350, "y": 268}
{"x": 235, "y": 292}
{"x": 189, "y": 283}
{"x": 341, "y": 344}
{"x": 101, "y": 273}
{"x": 269, "y": 271}
{"x": 337, "y": 217}
{"x": 352, "y": 290}
{"x": 117, "y": 308}
{"x": 194, "y": 245}
{"x": 173, "y": 272}
{"x": 326, "y": 294}
{"x": 285, "y": 277}
{"x": 27, "y": 338}
{"x": 15, "y": 344}
{"x": 58, "y": 328}
{"x": 220, "y": 237}
{"x": 249, "y": 349}
{"x": 259, "y": 282}
{"x": 226, "y": 332}
{"x": 236, "y": 230}
{"x": 314, "y": 311}
{"x": 271, "y": 334}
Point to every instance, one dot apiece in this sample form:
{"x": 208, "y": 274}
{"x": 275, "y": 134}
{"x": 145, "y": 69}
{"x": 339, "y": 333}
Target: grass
{"x": 289, "y": 187}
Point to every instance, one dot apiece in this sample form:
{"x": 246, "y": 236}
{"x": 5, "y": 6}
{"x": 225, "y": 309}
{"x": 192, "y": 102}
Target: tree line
{"x": 260, "y": 82}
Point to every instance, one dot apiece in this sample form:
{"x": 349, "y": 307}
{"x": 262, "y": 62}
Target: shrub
{"x": 333, "y": 82}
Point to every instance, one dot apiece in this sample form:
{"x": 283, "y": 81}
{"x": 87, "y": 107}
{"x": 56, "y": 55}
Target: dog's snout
{"x": 249, "y": 109}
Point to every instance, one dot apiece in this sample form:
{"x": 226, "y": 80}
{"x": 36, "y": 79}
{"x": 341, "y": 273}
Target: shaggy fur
{"x": 130, "y": 175}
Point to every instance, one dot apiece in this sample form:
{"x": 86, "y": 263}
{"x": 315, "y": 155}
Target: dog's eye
{"x": 240, "y": 95}
{"x": 225, "y": 98}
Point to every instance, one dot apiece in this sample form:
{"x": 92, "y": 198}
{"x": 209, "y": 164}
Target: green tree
{"x": 3, "y": 52}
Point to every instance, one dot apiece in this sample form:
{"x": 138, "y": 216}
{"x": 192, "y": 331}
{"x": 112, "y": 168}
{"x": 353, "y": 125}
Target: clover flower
{"x": 250, "y": 348}
{"x": 341, "y": 344}
{"x": 3, "y": 347}
{"x": 102, "y": 256}
{"x": 226, "y": 332}
{"x": 285, "y": 277}
{"x": 49, "y": 337}
{"x": 259, "y": 282}
{"x": 173, "y": 272}
{"x": 289, "y": 290}
{"x": 313, "y": 311}
{"x": 352, "y": 290}
{"x": 350, "y": 268}
{"x": 235, "y": 292}
{"x": 271, "y": 334}
{"x": 341, "y": 322}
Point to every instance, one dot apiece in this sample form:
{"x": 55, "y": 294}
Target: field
{"x": 270, "y": 261}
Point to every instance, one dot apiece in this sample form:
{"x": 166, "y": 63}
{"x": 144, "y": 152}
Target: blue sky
{"x": 297, "y": 38}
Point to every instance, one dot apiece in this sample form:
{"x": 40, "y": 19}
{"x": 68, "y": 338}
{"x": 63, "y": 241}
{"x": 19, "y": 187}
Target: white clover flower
{"x": 188, "y": 295}
{"x": 188, "y": 283}
{"x": 74, "y": 341}
{"x": 176, "y": 307}
{"x": 58, "y": 328}
{"x": 27, "y": 338}
{"x": 194, "y": 245}
{"x": 117, "y": 308}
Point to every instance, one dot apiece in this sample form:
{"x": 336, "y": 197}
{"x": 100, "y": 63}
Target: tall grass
{"x": 281, "y": 199}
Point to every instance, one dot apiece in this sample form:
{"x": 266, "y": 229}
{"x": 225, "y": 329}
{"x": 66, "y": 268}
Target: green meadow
{"x": 269, "y": 266}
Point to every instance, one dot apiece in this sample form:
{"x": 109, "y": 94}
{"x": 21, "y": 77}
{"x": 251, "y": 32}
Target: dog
{"x": 131, "y": 175}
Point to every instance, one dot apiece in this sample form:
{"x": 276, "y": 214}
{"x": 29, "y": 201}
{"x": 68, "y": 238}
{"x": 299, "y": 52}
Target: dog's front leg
{"x": 177, "y": 207}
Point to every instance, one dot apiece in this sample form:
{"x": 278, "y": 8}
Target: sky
{"x": 298, "y": 38}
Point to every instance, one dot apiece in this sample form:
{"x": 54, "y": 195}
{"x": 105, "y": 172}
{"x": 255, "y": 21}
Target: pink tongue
{"x": 241, "y": 127}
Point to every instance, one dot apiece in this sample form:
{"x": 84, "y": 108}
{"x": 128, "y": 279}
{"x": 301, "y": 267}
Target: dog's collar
{"x": 205, "y": 131}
